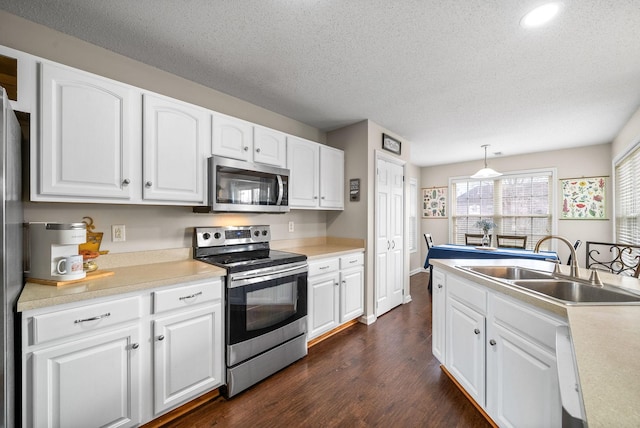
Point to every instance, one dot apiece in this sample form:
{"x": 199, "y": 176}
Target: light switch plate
{"x": 118, "y": 233}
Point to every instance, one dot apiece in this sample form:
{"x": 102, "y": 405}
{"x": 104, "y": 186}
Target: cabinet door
{"x": 465, "y": 357}
{"x": 177, "y": 137}
{"x": 188, "y": 355}
{"x": 90, "y": 132}
{"x": 232, "y": 137}
{"x": 303, "y": 164}
{"x": 88, "y": 383}
{"x": 331, "y": 178}
{"x": 351, "y": 294}
{"x": 438, "y": 317}
{"x": 269, "y": 147}
{"x": 323, "y": 303}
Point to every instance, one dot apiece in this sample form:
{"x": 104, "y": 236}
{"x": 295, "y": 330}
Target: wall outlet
{"x": 291, "y": 227}
{"x": 118, "y": 233}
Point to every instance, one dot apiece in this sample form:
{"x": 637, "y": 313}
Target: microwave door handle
{"x": 280, "y": 190}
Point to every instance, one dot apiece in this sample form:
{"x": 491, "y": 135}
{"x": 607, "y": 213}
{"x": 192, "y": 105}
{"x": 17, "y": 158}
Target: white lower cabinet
{"x": 500, "y": 350}
{"x": 102, "y": 363}
{"x": 438, "y": 301}
{"x": 335, "y": 292}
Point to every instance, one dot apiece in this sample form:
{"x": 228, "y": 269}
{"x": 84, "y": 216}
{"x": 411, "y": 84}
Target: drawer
{"x": 351, "y": 260}
{"x": 68, "y": 322}
{"x": 323, "y": 266}
{"x": 467, "y": 292}
{"x": 186, "y": 295}
{"x": 525, "y": 321}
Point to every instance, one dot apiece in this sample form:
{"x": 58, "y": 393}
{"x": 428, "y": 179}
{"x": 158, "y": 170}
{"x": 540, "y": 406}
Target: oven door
{"x": 265, "y": 308}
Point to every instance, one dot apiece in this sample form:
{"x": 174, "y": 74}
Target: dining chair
{"x": 474, "y": 238}
{"x": 576, "y": 245}
{"x": 429, "y": 240}
{"x": 512, "y": 241}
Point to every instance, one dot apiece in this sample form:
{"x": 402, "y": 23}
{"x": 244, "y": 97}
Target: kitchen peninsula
{"x": 605, "y": 337}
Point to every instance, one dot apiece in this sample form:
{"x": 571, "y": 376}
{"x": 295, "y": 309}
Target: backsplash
{"x": 167, "y": 227}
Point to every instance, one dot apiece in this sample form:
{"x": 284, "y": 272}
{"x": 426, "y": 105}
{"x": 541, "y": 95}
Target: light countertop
{"x": 606, "y": 339}
{"x": 149, "y": 269}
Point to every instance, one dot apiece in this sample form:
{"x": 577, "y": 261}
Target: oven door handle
{"x": 280, "y": 190}
{"x": 250, "y": 278}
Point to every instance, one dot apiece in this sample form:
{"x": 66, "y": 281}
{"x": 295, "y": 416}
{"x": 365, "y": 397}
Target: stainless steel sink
{"x": 577, "y": 292}
{"x": 566, "y": 290}
{"x": 509, "y": 272}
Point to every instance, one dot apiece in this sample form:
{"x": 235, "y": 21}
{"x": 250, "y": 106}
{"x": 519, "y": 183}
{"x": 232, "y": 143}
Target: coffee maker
{"x": 53, "y": 251}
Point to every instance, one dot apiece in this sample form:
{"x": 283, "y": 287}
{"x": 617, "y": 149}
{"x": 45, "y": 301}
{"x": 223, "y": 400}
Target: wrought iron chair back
{"x": 620, "y": 259}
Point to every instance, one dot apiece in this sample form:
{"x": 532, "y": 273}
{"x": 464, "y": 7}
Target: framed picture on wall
{"x": 583, "y": 198}
{"x": 434, "y": 202}
{"x": 391, "y": 144}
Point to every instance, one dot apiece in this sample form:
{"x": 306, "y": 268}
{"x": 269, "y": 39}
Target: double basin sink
{"x": 567, "y": 290}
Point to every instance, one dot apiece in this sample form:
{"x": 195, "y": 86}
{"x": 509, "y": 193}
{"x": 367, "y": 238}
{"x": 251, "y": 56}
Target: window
{"x": 627, "y": 183}
{"x": 519, "y": 204}
{"x": 413, "y": 215}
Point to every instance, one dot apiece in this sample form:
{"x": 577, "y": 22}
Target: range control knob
{"x": 264, "y": 233}
{"x": 217, "y": 235}
{"x": 256, "y": 233}
{"x": 206, "y": 235}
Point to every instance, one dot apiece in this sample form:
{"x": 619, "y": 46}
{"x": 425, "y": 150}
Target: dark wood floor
{"x": 378, "y": 375}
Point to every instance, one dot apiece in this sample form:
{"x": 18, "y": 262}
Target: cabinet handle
{"x": 353, "y": 261}
{"x": 336, "y": 284}
{"x": 135, "y": 346}
{"x": 258, "y": 150}
{"x": 324, "y": 267}
{"x": 393, "y": 244}
{"x": 191, "y": 296}
{"x": 126, "y": 181}
{"x": 315, "y": 197}
{"x": 492, "y": 342}
{"x": 439, "y": 285}
{"x": 322, "y": 198}
{"x": 108, "y": 314}
{"x": 344, "y": 281}
{"x": 161, "y": 337}
{"x": 476, "y": 331}
{"x": 246, "y": 148}
{"x": 148, "y": 184}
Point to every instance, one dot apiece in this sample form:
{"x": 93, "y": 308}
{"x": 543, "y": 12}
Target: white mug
{"x": 69, "y": 265}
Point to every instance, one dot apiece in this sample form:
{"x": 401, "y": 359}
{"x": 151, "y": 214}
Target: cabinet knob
{"x": 148, "y": 184}
{"x": 336, "y": 284}
{"x": 161, "y": 337}
{"x": 322, "y": 197}
{"x": 126, "y": 181}
{"x": 492, "y": 342}
{"x": 476, "y": 331}
{"x": 344, "y": 281}
{"x": 135, "y": 346}
{"x": 439, "y": 285}
{"x": 315, "y": 197}
{"x": 258, "y": 150}
{"x": 246, "y": 148}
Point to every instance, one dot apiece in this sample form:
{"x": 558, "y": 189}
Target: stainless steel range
{"x": 266, "y": 301}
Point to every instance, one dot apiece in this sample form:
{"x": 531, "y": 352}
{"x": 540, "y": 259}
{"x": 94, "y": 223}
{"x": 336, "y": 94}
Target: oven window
{"x": 269, "y": 306}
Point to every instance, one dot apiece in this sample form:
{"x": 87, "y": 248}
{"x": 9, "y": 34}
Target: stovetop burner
{"x": 239, "y": 249}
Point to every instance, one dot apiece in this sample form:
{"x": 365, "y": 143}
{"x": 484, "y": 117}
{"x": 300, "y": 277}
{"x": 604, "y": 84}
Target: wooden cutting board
{"x": 96, "y": 274}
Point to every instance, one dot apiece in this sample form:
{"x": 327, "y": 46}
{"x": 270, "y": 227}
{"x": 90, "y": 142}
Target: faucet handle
{"x": 594, "y": 278}
{"x": 556, "y": 268}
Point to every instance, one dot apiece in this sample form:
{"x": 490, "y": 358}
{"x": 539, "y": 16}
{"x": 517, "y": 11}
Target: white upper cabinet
{"x": 90, "y": 133}
{"x": 175, "y": 147}
{"x": 316, "y": 175}
{"x": 269, "y": 147}
{"x": 303, "y": 164}
{"x": 238, "y": 139}
{"x": 232, "y": 138}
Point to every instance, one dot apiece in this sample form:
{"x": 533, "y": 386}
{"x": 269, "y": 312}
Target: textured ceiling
{"x": 448, "y": 76}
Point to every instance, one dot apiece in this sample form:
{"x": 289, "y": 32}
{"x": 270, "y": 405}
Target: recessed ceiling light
{"x": 540, "y": 15}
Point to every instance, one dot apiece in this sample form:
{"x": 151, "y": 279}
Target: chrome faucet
{"x": 574, "y": 272}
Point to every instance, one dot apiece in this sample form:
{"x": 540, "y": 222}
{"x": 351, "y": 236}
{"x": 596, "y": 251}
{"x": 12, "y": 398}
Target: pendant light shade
{"x": 486, "y": 172}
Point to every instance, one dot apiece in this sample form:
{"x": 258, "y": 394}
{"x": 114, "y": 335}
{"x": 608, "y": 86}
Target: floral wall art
{"x": 434, "y": 202}
{"x": 583, "y": 198}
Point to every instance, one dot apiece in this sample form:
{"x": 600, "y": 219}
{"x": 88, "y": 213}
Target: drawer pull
{"x": 324, "y": 267}
{"x": 108, "y": 314}
{"x": 353, "y": 261}
{"x": 191, "y": 296}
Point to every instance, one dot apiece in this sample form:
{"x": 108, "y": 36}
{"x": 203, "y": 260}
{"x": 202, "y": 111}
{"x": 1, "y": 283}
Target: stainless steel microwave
{"x": 239, "y": 186}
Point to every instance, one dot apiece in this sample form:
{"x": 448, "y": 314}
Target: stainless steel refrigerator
{"x": 11, "y": 220}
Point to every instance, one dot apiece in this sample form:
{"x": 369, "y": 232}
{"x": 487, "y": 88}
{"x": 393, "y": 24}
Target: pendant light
{"x": 486, "y": 172}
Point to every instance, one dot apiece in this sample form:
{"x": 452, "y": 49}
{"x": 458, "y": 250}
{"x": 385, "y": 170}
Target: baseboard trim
{"x": 466, "y": 394}
{"x": 182, "y": 410}
{"x": 330, "y": 333}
